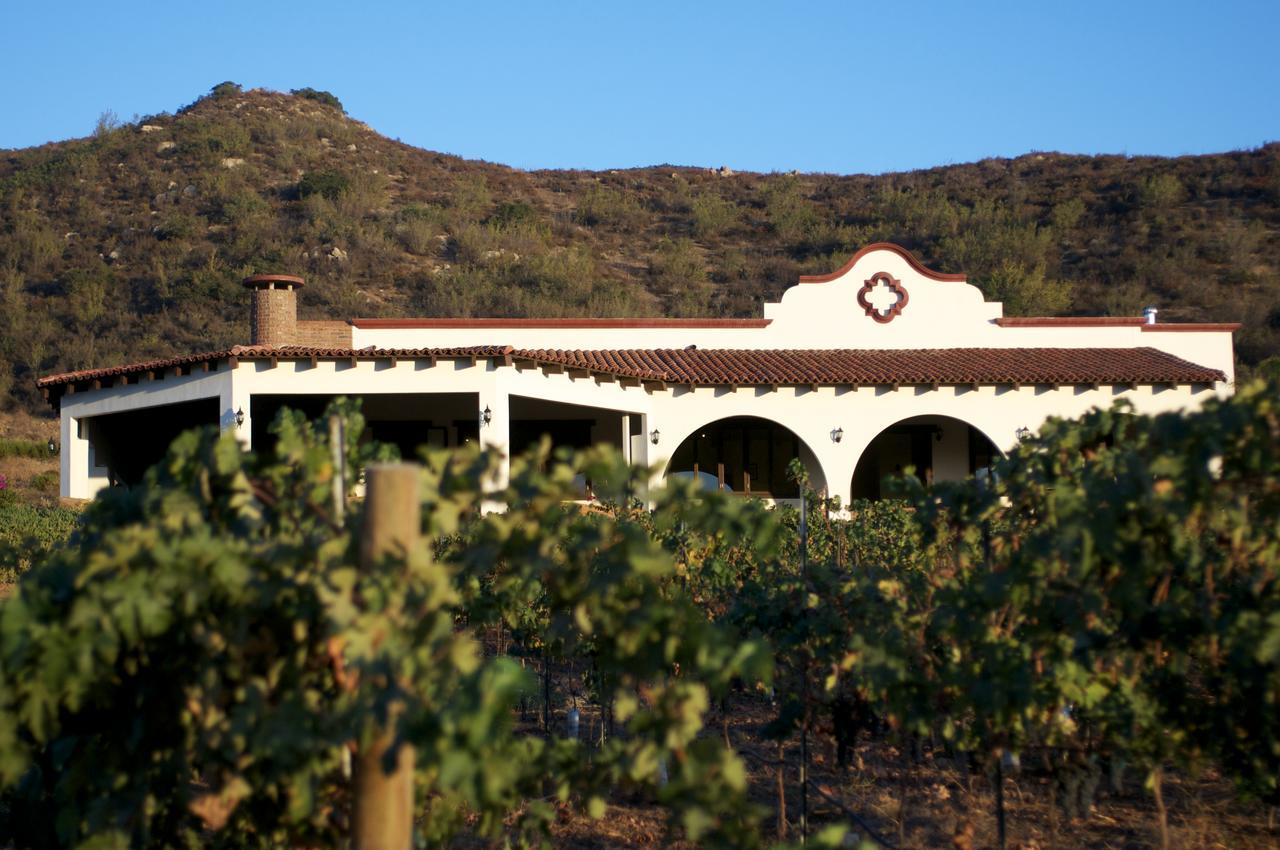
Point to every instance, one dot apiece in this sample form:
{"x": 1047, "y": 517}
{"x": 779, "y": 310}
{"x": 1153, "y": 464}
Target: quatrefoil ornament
{"x": 882, "y": 297}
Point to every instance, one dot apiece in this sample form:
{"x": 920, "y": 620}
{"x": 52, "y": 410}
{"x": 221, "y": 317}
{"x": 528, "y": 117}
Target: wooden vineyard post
{"x": 382, "y": 817}
{"x": 782, "y": 792}
{"x": 804, "y": 671}
{"x": 338, "y": 453}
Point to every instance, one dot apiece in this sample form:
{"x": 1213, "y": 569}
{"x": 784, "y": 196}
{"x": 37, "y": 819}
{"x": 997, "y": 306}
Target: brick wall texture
{"x": 273, "y": 317}
{"x": 324, "y": 334}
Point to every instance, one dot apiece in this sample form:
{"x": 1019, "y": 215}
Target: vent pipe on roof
{"x": 1149, "y": 314}
{"x": 273, "y": 312}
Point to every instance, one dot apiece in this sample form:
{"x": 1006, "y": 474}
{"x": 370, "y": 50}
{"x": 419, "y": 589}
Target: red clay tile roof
{"x": 882, "y": 366}
{"x": 723, "y": 367}
{"x": 263, "y": 352}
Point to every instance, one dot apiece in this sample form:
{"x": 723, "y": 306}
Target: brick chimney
{"x": 273, "y": 313}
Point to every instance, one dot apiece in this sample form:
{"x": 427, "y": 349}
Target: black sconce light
{"x": 53, "y": 446}
{"x": 654, "y": 435}
{"x": 837, "y": 434}
{"x": 486, "y": 415}
{"x": 1023, "y": 434}
{"x": 239, "y": 416}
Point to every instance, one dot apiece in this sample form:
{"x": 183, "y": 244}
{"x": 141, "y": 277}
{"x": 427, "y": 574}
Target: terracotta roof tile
{"x": 263, "y": 352}
{"x": 880, "y": 366}
{"x": 722, "y": 367}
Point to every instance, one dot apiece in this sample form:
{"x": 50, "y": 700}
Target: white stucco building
{"x": 878, "y": 366}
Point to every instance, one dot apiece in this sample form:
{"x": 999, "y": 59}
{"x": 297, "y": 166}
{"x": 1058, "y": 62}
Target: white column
{"x": 837, "y": 461}
{"x": 74, "y": 458}
{"x": 495, "y": 435}
{"x": 79, "y": 477}
{"x": 235, "y": 397}
{"x": 656, "y": 455}
{"x": 624, "y": 437}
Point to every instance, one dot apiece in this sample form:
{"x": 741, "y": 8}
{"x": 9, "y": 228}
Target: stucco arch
{"x": 759, "y": 446}
{"x": 939, "y": 446}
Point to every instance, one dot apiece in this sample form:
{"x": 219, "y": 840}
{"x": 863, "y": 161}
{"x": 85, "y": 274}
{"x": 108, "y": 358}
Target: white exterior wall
{"x": 939, "y": 314}
{"x": 864, "y": 412}
{"x": 81, "y": 477}
{"x": 676, "y": 412}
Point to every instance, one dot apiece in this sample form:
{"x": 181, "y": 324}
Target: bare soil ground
{"x": 932, "y": 803}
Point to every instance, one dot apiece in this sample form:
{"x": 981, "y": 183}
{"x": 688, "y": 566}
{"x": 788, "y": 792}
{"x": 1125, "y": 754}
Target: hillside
{"x": 132, "y": 242}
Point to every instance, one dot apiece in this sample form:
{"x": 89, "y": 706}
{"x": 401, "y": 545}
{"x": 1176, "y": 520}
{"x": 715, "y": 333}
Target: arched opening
{"x": 745, "y": 455}
{"x": 937, "y": 448}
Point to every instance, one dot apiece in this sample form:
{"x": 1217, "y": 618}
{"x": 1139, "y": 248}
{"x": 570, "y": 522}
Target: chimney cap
{"x": 271, "y": 281}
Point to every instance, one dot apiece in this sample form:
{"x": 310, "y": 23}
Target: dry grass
{"x": 23, "y": 474}
{"x": 21, "y": 425}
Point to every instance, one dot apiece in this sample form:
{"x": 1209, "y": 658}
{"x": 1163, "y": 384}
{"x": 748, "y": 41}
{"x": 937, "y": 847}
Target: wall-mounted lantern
{"x": 486, "y": 415}
{"x": 53, "y": 446}
{"x": 837, "y": 434}
{"x": 654, "y": 435}
{"x": 239, "y": 416}
{"x": 1023, "y": 434}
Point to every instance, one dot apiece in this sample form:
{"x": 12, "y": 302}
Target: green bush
{"x": 679, "y": 273}
{"x": 602, "y": 206}
{"x": 418, "y": 235}
{"x": 212, "y": 141}
{"x": 470, "y": 197}
{"x": 327, "y": 184}
{"x": 791, "y": 215}
{"x": 327, "y": 98}
{"x": 243, "y": 208}
{"x": 712, "y": 215}
{"x": 513, "y": 213}
{"x": 225, "y": 89}
{"x": 179, "y": 225}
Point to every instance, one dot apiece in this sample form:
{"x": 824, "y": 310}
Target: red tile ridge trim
{"x": 410, "y": 324}
{"x": 1068, "y": 321}
{"x": 1227, "y": 327}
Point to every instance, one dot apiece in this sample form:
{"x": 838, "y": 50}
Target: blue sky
{"x": 839, "y": 87}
